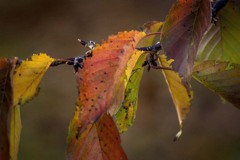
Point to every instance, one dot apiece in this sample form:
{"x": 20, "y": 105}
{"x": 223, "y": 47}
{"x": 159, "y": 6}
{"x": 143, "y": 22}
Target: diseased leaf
{"x": 127, "y": 112}
{"x": 102, "y": 82}
{"x": 99, "y": 141}
{"x": 180, "y": 95}
{"x": 26, "y": 79}
{"x": 221, "y": 42}
{"x": 28, "y": 76}
{"x": 182, "y": 31}
{"x": 220, "y": 77}
{"x": 6, "y": 100}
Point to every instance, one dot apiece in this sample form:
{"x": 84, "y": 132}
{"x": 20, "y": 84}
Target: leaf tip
{"x": 178, "y": 135}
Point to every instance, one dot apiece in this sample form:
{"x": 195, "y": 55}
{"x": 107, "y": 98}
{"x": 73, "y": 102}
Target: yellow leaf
{"x": 28, "y": 76}
{"x": 15, "y": 131}
{"x": 131, "y": 64}
{"x": 127, "y": 112}
{"x": 26, "y": 79}
{"x": 181, "y": 97}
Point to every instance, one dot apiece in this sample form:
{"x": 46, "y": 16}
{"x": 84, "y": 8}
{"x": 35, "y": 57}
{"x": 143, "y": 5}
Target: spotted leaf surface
{"x": 180, "y": 95}
{"x": 27, "y": 77}
{"x": 182, "y": 31}
{"x": 99, "y": 141}
{"x": 102, "y": 82}
{"x": 19, "y": 83}
{"x": 221, "y": 42}
{"x": 220, "y": 77}
{"x": 127, "y": 112}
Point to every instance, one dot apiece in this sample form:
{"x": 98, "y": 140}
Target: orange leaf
{"x": 101, "y": 85}
{"x": 101, "y": 81}
{"x": 99, "y": 141}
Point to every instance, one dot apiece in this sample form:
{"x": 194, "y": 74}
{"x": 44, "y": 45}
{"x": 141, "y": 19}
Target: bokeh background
{"x": 212, "y": 130}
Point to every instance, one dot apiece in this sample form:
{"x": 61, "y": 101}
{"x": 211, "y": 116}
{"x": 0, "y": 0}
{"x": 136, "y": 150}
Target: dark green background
{"x": 211, "y": 131}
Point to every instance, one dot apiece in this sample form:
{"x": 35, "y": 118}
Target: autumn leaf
{"x": 18, "y": 82}
{"x": 99, "y": 141}
{"x": 218, "y": 56}
{"x": 181, "y": 34}
{"x": 102, "y": 83}
{"x": 182, "y": 31}
{"x": 221, "y": 41}
{"x": 127, "y": 112}
{"x": 222, "y": 78}
{"x": 6, "y": 100}
{"x": 25, "y": 82}
{"x": 15, "y": 131}
{"x": 152, "y": 30}
{"x": 27, "y": 77}
{"x": 180, "y": 95}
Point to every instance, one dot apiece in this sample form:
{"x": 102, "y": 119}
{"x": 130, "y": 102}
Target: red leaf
{"x": 101, "y": 85}
{"x": 6, "y": 100}
{"x": 100, "y": 81}
{"x": 100, "y": 141}
{"x": 182, "y": 32}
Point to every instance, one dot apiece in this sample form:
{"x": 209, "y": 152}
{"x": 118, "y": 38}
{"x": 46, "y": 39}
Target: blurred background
{"x": 211, "y": 131}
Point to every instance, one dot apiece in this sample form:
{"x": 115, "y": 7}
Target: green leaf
{"x": 127, "y": 112}
{"x": 220, "y": 77}
{"x": 221, "y": 42}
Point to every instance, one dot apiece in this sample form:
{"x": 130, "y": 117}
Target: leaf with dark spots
{"x": 18, "y": 83}
{"x": 127, "y": 112}
{"x": 6, "y": 101}
{"x": 220, "y": 77}
{"x": 102, "y": 81}
{"x": 99, "y": 141}
{"x": 27, "y": 77}
{"x": 25, "y": 81}
{"x": 182, "y": 31}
